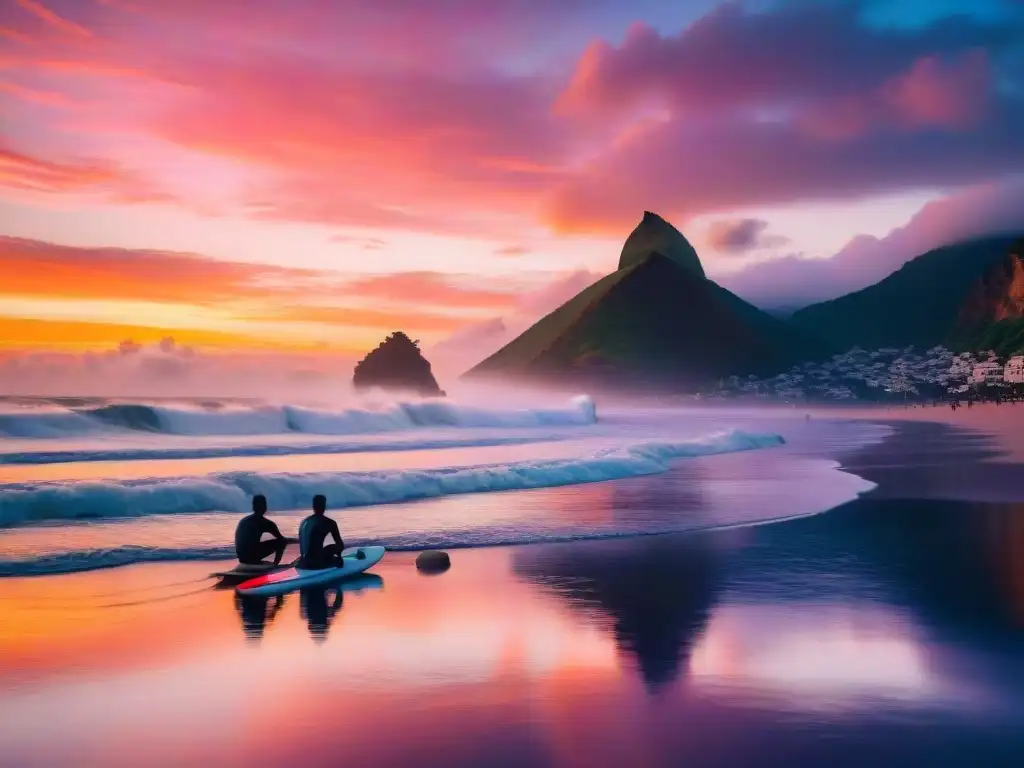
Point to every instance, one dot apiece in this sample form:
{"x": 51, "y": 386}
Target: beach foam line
{"x": 233, "y": 491}
{"x": 413, "y": 541}
{"x": 273, "y": 449}
{"x": 55, "y": 422}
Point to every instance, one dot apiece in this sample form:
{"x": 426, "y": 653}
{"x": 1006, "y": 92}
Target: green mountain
{"x": 658, "y": 321}
{"x": 918, "y": 304}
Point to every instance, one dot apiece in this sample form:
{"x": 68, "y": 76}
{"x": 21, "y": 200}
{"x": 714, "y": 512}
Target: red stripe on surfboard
{"x": 269, "y": 578}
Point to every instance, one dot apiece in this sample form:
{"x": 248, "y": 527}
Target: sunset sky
{"x": 305, "y": 176}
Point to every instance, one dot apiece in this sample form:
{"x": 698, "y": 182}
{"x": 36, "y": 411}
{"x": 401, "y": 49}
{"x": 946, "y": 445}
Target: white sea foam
{"x": 290, "y": 448}
{"x": 232, "y": 491}
{"x": 51, "y": 422}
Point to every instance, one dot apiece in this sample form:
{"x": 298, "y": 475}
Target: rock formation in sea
{"x": 397, "y": 364}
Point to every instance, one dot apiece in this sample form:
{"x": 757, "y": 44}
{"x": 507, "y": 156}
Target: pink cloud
{"x": 430, "y": 288}
{"x": 992, "y": 208}
{"x": 416, "y": 150}
{"x": 804, "y": 101}
{"x": 953, "y": 93}
{"x": 741, "y": 235}
{"x": 49, "y": 98}
{"x": 55, "y": 20}
{"x": 16, "y": 36}
{"x": 26, "y": 174}
{"x": 169, "y": 369}
{"x": 449, "y": 117}
{"x": 937, "y": 92}
{"x": 514, "y": 249}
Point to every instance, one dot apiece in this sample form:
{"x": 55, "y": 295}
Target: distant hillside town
{"x": 890, "y": 374}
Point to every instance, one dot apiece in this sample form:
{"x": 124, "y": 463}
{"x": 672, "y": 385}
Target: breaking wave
{"x": 271, "y": 449}
{"x": 232, "y": 491}
{"x": 236, "y": 420}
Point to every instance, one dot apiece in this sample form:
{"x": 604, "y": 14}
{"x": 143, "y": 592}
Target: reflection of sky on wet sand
{"x": 814, "y": 652}
{"x": 875, "y": 618}
{"x": 472, "y": 661}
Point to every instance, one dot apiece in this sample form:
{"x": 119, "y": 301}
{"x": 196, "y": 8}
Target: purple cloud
{"x": 984, "y": 209}
{"x": 741, "y": 235}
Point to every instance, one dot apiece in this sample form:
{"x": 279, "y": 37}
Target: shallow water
{"x": 882, "y": 633}
{"x": 65, "y": 515}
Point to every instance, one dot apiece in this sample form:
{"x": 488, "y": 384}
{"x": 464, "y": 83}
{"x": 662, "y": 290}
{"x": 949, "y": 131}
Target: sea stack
{"x": 397, "y": 364}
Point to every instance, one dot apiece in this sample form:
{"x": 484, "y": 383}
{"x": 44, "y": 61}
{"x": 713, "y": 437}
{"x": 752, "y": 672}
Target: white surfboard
{"x": 280, "y": 582}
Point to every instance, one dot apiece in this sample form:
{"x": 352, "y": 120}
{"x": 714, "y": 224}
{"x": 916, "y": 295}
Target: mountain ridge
{"x": 918, "y": 304}
{"x": 656, "y": 321}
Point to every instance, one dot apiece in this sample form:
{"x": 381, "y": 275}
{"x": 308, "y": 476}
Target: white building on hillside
{"x": 1014, "y": 372}
{"x": 986, "y": 373}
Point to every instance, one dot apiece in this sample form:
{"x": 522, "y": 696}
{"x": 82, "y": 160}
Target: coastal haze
{"x": 692, "y": 332}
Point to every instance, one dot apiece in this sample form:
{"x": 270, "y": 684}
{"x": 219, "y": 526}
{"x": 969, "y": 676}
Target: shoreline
{"x": 846, "y": 637}
{"x": 922, "y": 458}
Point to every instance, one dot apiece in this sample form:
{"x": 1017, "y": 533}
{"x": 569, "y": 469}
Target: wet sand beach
{"x": 884, "y": 632}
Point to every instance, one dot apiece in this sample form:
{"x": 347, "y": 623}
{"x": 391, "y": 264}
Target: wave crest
{"x": 232, "y": 491}
{"x": 234, "y": 420}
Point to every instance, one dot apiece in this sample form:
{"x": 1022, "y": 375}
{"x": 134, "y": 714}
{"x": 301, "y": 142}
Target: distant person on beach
{"x": 248, "y": 545}
{"x": 313, "y": 532}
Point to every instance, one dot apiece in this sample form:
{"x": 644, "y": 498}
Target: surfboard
{"x": 246, "y": 571}
{"x": 279, "y": 582}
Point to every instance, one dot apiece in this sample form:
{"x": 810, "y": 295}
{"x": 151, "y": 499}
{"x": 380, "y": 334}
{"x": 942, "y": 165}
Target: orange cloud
{"x": 431, "y": 289}
{"x": 245, "y": 303}
{"x": 411, "y": 321}
{"x": 35, "y": 268}
{"x": 53, "y": 19}
{"x": 22, "y": 171}
{"x": 70, "y": 335}
{"x": 105, "y": 179}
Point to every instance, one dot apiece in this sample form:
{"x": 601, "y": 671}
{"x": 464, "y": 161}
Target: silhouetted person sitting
{"x": 313, "y": 532}
{"x": 248, "y": 546}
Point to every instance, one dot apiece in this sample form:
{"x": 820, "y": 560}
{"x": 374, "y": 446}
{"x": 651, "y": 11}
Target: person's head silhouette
{"x": 259, "y": 504}
{"x": 319, "y": 504}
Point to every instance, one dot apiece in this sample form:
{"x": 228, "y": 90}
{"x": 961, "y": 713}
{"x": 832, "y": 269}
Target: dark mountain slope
{"x": 918, "y": 304}
{"x": 654, "y": 322}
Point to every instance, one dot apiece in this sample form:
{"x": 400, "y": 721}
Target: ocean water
{"x": 94, "y": 484}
